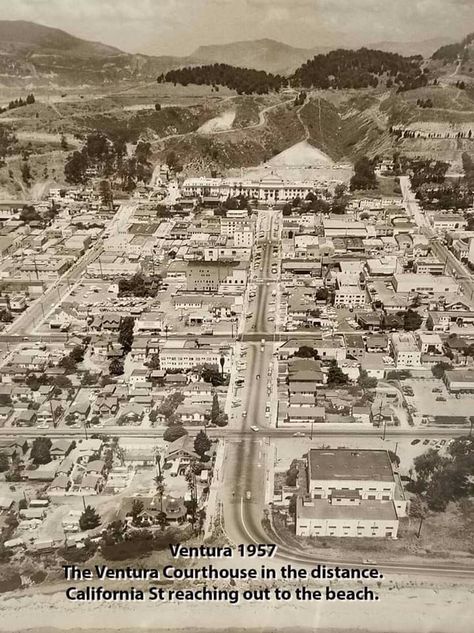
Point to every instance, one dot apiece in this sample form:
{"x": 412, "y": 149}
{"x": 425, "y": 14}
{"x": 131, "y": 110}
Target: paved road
{"x": 453, "y": 265}
{"x": 245, "y": 476}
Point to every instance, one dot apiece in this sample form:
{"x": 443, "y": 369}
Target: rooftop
{"x": 369, "y": 510}
{"x": 348, "y": 464}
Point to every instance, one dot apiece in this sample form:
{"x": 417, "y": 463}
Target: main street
{"x": 243, "y": 494}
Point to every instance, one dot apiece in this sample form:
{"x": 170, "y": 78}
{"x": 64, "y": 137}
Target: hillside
{"x": 425, "y": 48}
{"x": 27, "y": 38}
{"x": 463, "y": 50}
{"x": 364, "y": 68}
{"x": 265, "y": 54}
{"x": 40, "y": 55}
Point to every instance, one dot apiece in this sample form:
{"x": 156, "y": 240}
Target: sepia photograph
{"x": 236, "y": 316}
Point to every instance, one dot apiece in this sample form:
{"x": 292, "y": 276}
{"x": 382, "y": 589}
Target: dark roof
{"x": 343, "y": 464}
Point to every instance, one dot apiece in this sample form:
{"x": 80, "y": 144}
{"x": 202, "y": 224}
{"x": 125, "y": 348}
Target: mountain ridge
{"x": 42, "y": 54}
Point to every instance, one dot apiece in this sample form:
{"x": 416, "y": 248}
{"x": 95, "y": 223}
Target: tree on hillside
{"x": 106, "y": 195}
{"x": 364, "y": 175}
{"x": 26, "y": 174}
{"x": 89, "y": 519}
{"x": 40, "y": 451}
{"x": 75, "y": 168}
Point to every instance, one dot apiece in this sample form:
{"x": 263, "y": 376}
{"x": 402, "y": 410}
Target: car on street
{"x": 440, "y": 399}
{"x": 298, "y": 434}
{"x": 255, "y": 428}
{"x": 244, "y": 414}
{"x": 248, "y": 494}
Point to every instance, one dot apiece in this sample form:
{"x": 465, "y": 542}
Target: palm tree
{"x": 159, "y": 482}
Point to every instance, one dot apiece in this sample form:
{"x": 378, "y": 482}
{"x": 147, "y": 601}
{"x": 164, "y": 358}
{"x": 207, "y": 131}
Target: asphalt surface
{"x": 245, "y": 478}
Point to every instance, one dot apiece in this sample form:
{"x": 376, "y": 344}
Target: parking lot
{"x": 436, "y": 403}
{"x": 407, "y": 448}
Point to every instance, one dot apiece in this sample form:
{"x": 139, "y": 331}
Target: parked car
{"x": 414, "y": 442}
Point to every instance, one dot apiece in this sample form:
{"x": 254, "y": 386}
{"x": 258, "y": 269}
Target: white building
{"x": 405, "y": 350}
{"x": 184, "y": 355}
{"x": 351, "y": 296}
{"x": 111, "y": 266}
{"x": 423, "y": 283}
{"x": 447, "y": 221}
{"x": 269, "y": 188}
{"x": 350, "y": 493}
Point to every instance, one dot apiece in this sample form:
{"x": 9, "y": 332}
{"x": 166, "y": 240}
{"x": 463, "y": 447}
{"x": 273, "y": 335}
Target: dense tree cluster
{"x": 447, "y": 196}
{"x": 125, "y": 337}
{"x": 364, "y": 174}
{"x": 243, "y": 80}
{"x": 139, "y": 286}
{"x": 452, "y": 52}
{"x": 19, "y": 103}
{"x": 103, "y": 157}
{"x": 423, "y": 170}
{"x": 441, "y": 479}
{"x": 340, "y": 69}
{"x": 468, "y": 166}
{"x": 364, "y": 68}
{"x": 424, "y": 103}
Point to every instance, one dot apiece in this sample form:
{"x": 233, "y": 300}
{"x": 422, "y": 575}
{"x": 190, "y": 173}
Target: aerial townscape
{"x": 236, "y": 305}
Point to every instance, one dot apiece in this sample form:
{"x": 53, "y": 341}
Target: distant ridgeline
{"x": 339, "y": 69}
{"x": 452, "y": 52}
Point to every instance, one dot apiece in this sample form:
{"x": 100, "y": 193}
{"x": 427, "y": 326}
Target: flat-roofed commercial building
{"x": 350, "y": 493}
{"x": 413, "y": 282}
{"x": 357, "y": 519}
{"x": 459, "y": 380}
{"x": 368, "y": 473}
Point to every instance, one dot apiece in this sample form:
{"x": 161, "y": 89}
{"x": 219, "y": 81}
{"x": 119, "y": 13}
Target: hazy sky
{"x": 179, "y": 26}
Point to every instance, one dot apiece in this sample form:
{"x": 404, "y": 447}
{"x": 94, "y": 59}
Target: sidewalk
{"x": 212, "y": 506}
